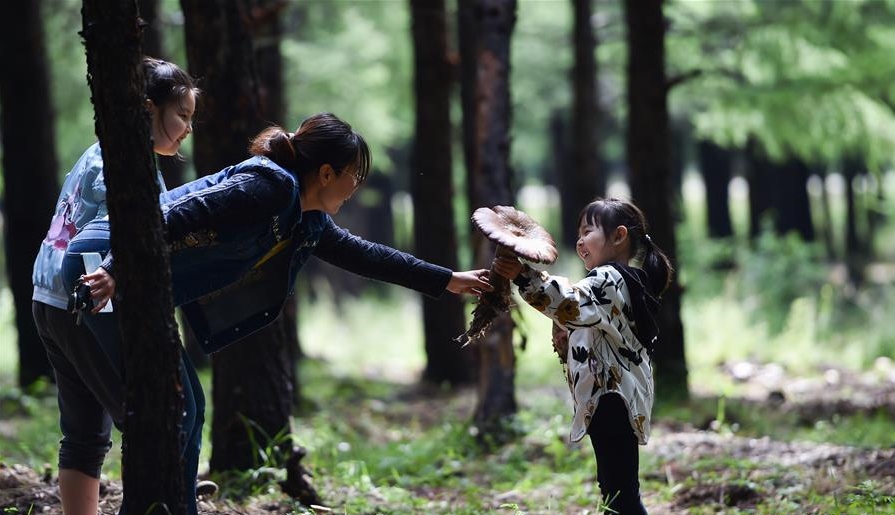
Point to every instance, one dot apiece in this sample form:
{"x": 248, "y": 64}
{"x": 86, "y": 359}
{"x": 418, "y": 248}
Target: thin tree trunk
{"x": 791, "y": 200}
{"x": 486, "y": 114}
{"x": 151, "y": 352}
{"x": 30, "y": 166}
{"x": 648, "y": 158}
{"x": 435, "y": 235}
{"x": 715, "y": 164}
{"x": 853, "y": 255}
{"x": 759, "y": 176}
{"x": 583, "y": 181}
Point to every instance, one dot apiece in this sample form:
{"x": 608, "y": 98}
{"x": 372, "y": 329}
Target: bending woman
{"x": 240, "y": 236}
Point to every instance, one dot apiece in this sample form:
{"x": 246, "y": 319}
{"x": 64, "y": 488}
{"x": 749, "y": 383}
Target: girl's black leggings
{"x": 617, "y": 453}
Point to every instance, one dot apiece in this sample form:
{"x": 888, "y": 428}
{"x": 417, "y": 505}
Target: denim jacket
{"x": 82, "y": 199}
{"x": 239, "y": 238}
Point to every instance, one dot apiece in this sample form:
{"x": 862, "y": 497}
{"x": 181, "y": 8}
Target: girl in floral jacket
{"x": 610, "y": 319}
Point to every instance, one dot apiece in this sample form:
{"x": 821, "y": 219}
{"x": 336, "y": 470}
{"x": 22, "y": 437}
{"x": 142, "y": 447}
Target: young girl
{"x": 610, "y": 316}
{"x": 87, "y": 406}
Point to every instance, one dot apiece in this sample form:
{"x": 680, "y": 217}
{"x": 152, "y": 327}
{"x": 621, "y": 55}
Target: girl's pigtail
{"x": 656, "y": 265}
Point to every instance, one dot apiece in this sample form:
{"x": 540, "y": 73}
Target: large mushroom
{"x": 517, "y": 235}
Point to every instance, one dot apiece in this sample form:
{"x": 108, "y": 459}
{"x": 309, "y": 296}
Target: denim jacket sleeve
{"x": 239, "y": 200}
{"x": 339, "y": 247}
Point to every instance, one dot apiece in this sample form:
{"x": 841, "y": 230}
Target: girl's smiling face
{"x": 595, "y": 248}
{"x": 172, "y": 123}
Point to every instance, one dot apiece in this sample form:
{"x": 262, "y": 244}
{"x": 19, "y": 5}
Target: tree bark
{"x": 648, "y": 156}
{"x": 30, "y": 166}
{"x": 715, "y": 165}
{"x": 485, "y": 61}
{"x": 759, "y": 175}
{"x": 583, "y": 180}
{"x": 791, "y": 201}
{"x": 150, "y": 346}
{"x": 434, "y": 232}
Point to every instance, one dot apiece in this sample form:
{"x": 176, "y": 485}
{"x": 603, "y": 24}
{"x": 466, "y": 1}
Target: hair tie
{"x": 647, "y": 239}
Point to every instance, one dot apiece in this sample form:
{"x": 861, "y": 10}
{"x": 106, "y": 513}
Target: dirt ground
{"x": 783, "y": 468}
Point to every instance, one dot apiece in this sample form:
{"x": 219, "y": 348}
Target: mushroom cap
{"x": 515, "y": 230}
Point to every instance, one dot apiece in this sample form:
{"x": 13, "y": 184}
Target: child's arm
{"x": 592, "y": 301}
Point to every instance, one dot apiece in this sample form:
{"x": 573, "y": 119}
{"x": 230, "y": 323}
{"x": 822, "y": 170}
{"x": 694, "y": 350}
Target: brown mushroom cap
{"x": 517, "y": 231}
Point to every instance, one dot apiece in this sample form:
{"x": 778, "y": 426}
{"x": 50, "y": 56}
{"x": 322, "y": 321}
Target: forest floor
{"x": 702, "y": 466}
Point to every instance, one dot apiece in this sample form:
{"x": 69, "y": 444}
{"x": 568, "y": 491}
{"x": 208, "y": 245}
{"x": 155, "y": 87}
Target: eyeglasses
{"x": 355, "y": 177}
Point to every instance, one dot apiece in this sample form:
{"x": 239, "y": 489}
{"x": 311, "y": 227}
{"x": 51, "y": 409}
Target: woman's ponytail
{"x": 275, "y": 143}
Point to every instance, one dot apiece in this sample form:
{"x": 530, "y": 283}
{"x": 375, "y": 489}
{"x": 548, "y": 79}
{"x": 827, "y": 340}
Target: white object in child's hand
{"x": 92, "y": 260}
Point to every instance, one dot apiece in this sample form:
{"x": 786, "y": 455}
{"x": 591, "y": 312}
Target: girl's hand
{"x": 507, "y": 267}
{"x": 102, "y": 288}
{"x": 561, "y": 341}
{"x": 473, "y": 282}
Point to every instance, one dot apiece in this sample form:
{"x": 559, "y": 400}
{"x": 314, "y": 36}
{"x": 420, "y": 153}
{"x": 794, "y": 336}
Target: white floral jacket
{"x": 604, "y": 353}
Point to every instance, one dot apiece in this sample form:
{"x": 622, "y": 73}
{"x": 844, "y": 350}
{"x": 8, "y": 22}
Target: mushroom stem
{"x": 491, "y": 304}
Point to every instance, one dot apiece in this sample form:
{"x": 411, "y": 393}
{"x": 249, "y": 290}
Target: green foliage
{"x": 805, "y": 78}
{"x": 779, "y": 271}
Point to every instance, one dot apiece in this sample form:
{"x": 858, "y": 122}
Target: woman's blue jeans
{"x": 94, "y": 237}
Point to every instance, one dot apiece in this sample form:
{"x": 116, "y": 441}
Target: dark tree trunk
{"x": 715, "y": 164}
{"x": 485, "y": 62}
{"x": 219, "y": 51}
{"x": 150, "y": 345}
{"x": 253, "y": 379}
{"x": 854, "y": 256}
{"x": 791, "y": 201}
{"x": 582, "y": 181}
{"x": 759, "y": 176}
{"x": 153, "y": 44}
{"x": 252, "y": 401}
{"x": 431, "y": 186}
{"x": 29, "y": 168}
{"x": 648, "y": 157}
{"x": 267, "y": 36}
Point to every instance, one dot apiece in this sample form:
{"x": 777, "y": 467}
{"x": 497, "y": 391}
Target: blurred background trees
{"x": 756, "y": 135}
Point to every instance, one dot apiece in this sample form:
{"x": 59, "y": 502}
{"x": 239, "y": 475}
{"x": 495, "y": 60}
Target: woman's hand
{"x": 102, "y": 288}
{"x": 507, "y": 267}
{"x": 473, "y": 282}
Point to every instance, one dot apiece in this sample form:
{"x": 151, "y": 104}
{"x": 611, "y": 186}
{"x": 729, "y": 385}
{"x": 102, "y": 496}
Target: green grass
{"x": 376, "y": 444}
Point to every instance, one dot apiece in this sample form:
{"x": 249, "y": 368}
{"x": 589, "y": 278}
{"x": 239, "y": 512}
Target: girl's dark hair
{"x": 165, "y": 83}
{"x": 320, "y": 139}
{"x": 612, "y": 212}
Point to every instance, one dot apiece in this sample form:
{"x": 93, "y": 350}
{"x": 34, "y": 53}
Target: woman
{"x": 239, "y": 237}
{"x": 87, "y": 406}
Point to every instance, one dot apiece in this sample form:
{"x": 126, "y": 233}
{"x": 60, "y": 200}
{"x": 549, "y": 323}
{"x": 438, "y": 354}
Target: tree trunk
{"x": 30, "y": 166}
{"x": 791, "y": 201}
{"x": 759, "y": 176}
{"x": 583, "y": 181}
{"x": 715, "y": 165}
{"x": 854, "y": 261}
{"x": 151, "y": 438}
{"x": 485, "y": 87}
{"x": 434, "y": 232}
{"x": 649, "y": 164}
{"x": 252, "y": 380}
